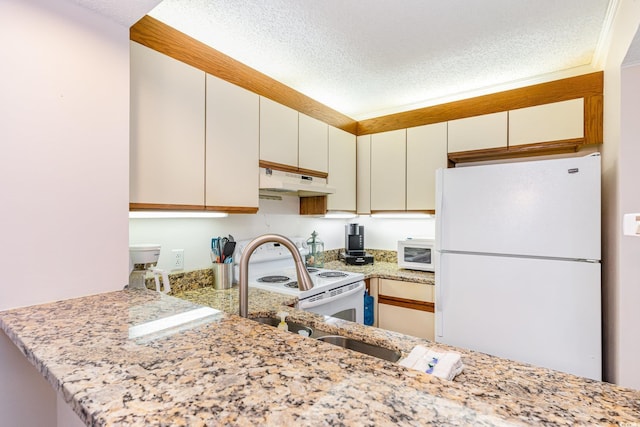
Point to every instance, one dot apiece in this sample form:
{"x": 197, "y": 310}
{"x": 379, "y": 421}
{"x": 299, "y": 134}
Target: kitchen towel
{"x": 441, "y": 364}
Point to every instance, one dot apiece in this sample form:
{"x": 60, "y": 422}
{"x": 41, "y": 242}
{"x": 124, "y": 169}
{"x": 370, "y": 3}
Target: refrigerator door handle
{"x": 438, "y": 254}
{"x": 438, "y": 296}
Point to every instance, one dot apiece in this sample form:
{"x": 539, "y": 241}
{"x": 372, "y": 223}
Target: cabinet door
{"x": 388, "y": 171}
{"x": 478, "y": 133}
{"x": 342, "y": 170}
{"x": 426, "y": 152}
{"x": 313, "y": 144}
{"x": 167, "y": 130}
{"x": 278, "y": 133}
{"x": 393, "y": 313}
{"x": 406, "y": 321}
{"x": 363, "y": 174}
{"x": 550, "y": 122}
{"x": 232, "y": 147}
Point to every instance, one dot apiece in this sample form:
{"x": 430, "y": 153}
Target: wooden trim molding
{"x": 158, "y": 36}
{"x": 593, "y": 119}
{"x": 163, "y": 207}
{"x": 408, "y": 211}
{"x": 527, "y": 150}
{"x": 588, "y": 86}
{"x": 292, "y": 169}
{"x": 311, "y": 172}
{"x": 233, "y": 209}
{"x": 407, "y": 303}
{"x": 171, "y": 207}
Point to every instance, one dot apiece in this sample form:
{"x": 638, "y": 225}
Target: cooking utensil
{"x": 216, "y": 250}
{"x": 227, "y": 251}
{"x": 221, "y": 242}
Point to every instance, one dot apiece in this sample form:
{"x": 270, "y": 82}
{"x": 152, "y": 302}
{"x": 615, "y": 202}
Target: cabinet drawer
{"x": 406, "y": 290}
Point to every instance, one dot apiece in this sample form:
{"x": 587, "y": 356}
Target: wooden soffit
{"x": 587, "y": 86}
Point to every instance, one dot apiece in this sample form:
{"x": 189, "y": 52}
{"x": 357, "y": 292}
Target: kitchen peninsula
{"x": 105, "y": 355}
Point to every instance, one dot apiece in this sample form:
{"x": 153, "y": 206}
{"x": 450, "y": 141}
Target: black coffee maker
{"x": 354, "y": 246}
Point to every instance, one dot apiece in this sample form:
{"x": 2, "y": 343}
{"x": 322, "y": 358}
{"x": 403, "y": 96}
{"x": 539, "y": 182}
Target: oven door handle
{"x": 309, "y": 304}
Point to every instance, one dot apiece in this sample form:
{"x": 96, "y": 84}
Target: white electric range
{"x": 335, "y": 293}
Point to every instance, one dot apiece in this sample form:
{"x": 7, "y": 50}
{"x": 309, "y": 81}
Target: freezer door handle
{"x": 439, "y": 206}
{"x": 438, "y": 306}
{"x": 438, "y": 295}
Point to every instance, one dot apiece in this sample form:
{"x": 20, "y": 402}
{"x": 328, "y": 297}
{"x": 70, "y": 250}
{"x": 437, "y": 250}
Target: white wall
{"x": 64, "y": 132}
{"x": 620, "y": 173}
{"x": 194, "y": 235}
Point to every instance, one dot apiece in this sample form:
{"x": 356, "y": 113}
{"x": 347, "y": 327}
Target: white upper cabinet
{"x": 167, "y": 130}
{"x": 278, "y": 133}
{"x": 232, "y": 145}
{"x": 313, "y": 140}
{"x": 342, "y": 170}
{"x": 363, "y": 174}
{"x": 426, "y": 152}
{"x": 388, "y": 171}
{"x": 478, "y": 133}
{"x": 549, "y": 122}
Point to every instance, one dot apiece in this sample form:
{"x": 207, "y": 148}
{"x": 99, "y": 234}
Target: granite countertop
{"x": 226, "y": 370}
{"x": 384, "y": 270}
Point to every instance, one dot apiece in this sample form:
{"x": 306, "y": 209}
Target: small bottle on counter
{"x": 315, "y": 257}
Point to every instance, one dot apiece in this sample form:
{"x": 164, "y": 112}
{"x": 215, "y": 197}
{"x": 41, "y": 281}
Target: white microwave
{"x": 417, "y": 254}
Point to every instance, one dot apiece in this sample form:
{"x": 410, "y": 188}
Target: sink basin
{"x": 362, "y": 347}
{"x": 349, "y": 343}
{"x": 293, "y": 326}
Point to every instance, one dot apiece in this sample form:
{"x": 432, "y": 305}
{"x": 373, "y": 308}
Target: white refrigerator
{"x": 518, "y": 262}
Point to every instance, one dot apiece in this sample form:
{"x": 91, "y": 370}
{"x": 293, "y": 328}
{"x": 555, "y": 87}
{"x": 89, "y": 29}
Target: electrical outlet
{"x": 178, "y": 259}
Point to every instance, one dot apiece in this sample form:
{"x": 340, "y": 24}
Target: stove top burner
{"x": 293, "y": 284}
{"x": 274, "y": 279}
{"x": 332, "y": 274}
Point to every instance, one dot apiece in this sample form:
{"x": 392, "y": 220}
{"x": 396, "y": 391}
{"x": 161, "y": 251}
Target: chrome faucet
{"x": 304, "y": 280}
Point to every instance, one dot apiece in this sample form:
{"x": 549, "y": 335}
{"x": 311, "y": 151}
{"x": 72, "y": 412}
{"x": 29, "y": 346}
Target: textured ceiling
{"x": 368, "y": 58}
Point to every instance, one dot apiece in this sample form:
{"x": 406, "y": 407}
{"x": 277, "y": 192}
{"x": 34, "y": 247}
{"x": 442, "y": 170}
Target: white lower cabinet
{"x": 232, "y": 146}
{"x": 406, "y": 307}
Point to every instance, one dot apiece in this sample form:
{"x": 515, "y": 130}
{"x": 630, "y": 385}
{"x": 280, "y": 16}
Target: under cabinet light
{"x": 401, "y": 215}
{"x": 176, "y": 214}
{"x": 340, "y": 215}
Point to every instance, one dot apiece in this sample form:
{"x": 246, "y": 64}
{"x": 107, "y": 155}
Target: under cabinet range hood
{"x": 274, "y": 181}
